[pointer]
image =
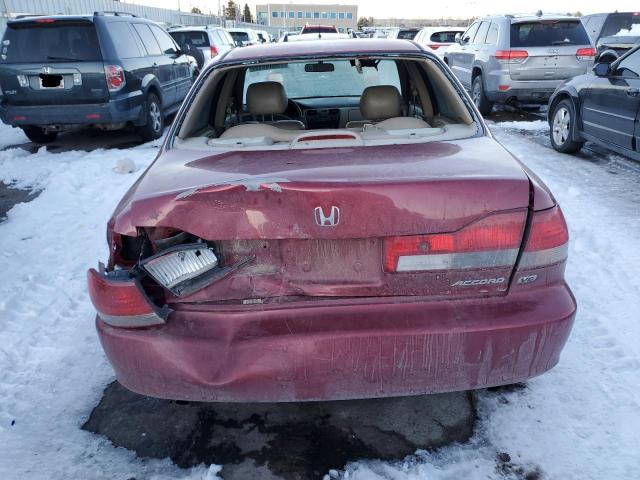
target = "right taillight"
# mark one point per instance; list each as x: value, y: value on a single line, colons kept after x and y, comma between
x: 511, y: 56
x: 548, y: 240
x: 214, y: 51
x: 115, y: 77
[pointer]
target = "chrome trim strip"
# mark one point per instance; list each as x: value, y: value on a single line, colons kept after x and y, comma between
x: 609, y: 113
x: 606, y: 128
x: 457, y: 261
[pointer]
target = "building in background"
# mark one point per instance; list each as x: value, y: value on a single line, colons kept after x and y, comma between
x: 292, y: 16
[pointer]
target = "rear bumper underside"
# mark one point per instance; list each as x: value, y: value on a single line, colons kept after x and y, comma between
x: 332, y: 350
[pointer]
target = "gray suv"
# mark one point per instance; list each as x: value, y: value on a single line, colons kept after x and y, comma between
x: 519, y: 59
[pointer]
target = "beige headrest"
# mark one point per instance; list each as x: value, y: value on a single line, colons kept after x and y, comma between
x: 266, y: 98
x: 380, y: 102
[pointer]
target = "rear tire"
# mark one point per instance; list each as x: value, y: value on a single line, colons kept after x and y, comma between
x: 562, y: 121
x: 479, y: 97
x: 38, y: 135
x: 154, y: 127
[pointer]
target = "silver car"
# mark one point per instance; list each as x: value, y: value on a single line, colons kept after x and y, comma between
x: 519, y: 59
x: 210, y: 40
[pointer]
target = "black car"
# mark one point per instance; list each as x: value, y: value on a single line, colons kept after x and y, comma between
x: 603, y: 107
x: 106, y: 70
x: 616, y: 32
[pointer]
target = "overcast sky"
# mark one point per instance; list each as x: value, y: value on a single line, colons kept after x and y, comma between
x: 427, y: 9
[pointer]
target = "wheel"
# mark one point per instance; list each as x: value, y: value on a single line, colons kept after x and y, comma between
x: 562, y: 120
x: 479, y: 98
x: 155, y: 119
x: 39, y: 135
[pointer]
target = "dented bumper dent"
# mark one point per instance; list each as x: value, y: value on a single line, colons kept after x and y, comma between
x: 343, y: 349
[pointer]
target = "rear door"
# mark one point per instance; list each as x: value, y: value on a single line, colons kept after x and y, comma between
x: 610, y: 105
x: 163, y: 65
x: 462, y: 56
x: 556, y: 50
x: 52, y: 62
x: 180, y: 63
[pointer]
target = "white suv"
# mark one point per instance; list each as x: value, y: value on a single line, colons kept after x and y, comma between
x: 210, y: 40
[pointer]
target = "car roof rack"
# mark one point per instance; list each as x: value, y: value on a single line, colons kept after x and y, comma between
x: 114, y: 13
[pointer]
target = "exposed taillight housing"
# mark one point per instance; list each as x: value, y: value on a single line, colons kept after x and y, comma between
x: 511, y: 56
x: 586, y: 53
x: 434, y: 46
x: 548, y: 240
x: 120, y: 300
x: 115, y: 77
x: 492, y: 242
x: 214, y: 51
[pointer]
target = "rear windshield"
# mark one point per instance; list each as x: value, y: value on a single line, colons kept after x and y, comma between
x: 407, y: 34
x: 240, y: 36
x: 343, y: 81
x: 196, y: 38
x: 319, y: 29
x: 444, y: 37
x: 548, y: 33
x: 35, y: 43
x: 621, y: 25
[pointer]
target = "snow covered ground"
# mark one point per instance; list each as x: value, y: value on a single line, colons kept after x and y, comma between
x: 579, y: 421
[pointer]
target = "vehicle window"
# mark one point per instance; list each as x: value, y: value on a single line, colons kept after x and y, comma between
x: 492, y: 34
x: 444, y: 37
x: 621, y: 24
x: 148, y: 40
x: 343, y: 81
x: 407, y: 34
x: 482, y: 33
x: 195, y: 38
x: 471, y: 32
x: 123, y: 41
x: 53, y: 42
x: 164, y: 40
x: 227, y: 38
x: 240, y: 37
x: 630, y: 66
x: 319, y: 29
x: 548, y: 33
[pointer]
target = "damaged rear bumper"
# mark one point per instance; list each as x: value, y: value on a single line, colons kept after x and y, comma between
x: 343, y: 349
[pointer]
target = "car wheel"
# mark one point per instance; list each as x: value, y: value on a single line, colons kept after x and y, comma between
x: 155, y: 119
x: 479, y: 98
x: 39, y: 135
x: 562, y: 120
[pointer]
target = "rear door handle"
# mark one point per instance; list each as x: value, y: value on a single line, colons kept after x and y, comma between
x: 633, y: 92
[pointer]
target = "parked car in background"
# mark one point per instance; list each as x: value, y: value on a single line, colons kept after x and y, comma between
x: 438, y: 38
x: 287, y: 35
x: 423, y: 257
x: 403, y: 33
x: 618, y: 31
x: 519, y: 59
x: 210, y: 40
x: 318, y: 32
x: 264, y: 36
x: 244, y: 37
x: 602, y: 106
x: 106, y: 70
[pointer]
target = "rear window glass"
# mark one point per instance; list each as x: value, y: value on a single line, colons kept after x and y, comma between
x: 444, y: 37
x: 240, y: 36
x: 197, y: 39
x: 123, y: 40
x: 621, y: 24
x: 319, y: 29
x: 50, y: 42
x: 407, y: 34
x: 343, y: 81
x: 548, y: 33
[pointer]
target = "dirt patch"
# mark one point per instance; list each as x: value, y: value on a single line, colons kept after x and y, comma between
x: 10, y: 196
x: 283, y: 440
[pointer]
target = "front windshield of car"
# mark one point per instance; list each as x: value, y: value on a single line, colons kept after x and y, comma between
x: 301, y: 81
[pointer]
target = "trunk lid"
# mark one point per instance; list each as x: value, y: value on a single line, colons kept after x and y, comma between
x: 316, y: 221
x: 54, y: 63
x: 552, y: 47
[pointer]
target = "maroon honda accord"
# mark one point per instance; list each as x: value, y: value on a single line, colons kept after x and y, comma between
x: 331, y: 220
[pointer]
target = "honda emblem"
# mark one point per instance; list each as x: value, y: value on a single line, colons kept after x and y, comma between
x: 331, y: 220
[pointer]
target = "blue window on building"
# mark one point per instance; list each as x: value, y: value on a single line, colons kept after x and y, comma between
x: 350, y: 16
x: 333, y: 15
x: 341, y: 15
x: 324, y: 14
x: 292, y: 14
x: 274, y: 14
x: 299, y: 14
x: 316, y: 14
x: 282, y: 15
x: 308, y: 15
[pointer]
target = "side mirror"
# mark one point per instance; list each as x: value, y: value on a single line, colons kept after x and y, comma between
x: 602, y: 69
x: 608, y: 56
x: 458, y: 38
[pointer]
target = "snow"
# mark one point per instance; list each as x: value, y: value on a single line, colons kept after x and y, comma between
x: 579, y: 421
